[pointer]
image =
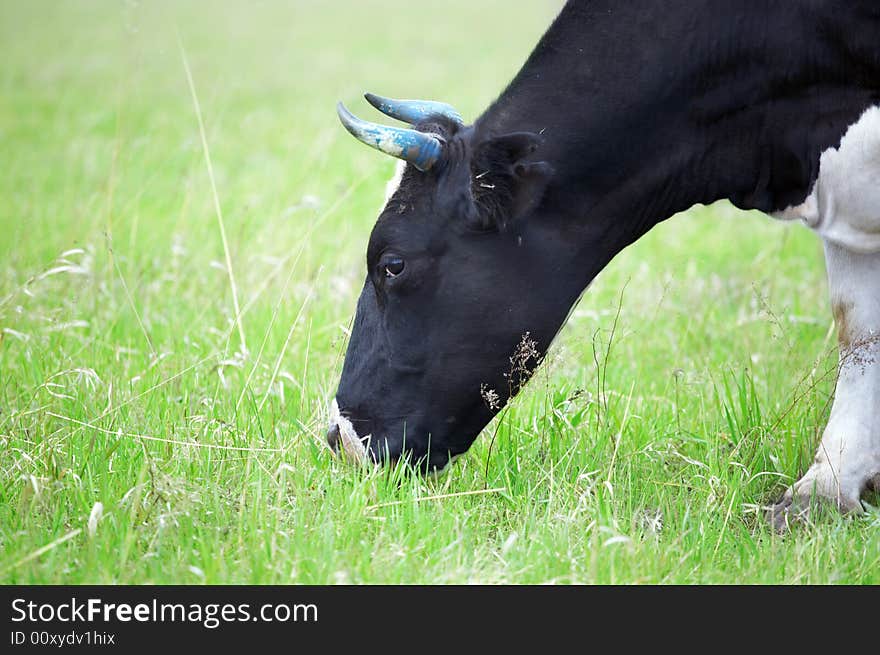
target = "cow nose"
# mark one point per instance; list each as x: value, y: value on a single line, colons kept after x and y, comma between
x: 333, y: 436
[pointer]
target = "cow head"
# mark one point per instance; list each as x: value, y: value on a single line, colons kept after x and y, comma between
x: 465, y: 288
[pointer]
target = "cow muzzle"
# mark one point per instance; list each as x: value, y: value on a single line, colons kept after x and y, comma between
x: 341, y: 433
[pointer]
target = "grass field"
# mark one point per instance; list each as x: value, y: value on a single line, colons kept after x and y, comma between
x: 688, y: 389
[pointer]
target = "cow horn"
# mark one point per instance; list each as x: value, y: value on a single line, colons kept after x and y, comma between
x: 420, y: 149
x: 413, y: 111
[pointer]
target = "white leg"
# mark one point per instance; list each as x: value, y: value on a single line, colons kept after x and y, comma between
x: 848, y: 460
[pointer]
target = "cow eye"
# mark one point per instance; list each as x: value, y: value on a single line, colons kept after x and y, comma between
x: 392, y: 266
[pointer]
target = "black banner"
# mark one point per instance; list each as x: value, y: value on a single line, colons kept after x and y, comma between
x: 86, y: 618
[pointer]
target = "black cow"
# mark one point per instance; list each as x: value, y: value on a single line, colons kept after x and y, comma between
x: 624, y: 114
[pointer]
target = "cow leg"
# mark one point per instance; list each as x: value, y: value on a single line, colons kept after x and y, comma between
x: 848, y: 460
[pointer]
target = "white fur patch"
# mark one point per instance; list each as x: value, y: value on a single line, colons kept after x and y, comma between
x: 844, y: 209
x: 394, y: 183
x: 352, y: 445
x: 844, y: 205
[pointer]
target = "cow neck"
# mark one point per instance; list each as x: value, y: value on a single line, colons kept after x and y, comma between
x: 646, y: 111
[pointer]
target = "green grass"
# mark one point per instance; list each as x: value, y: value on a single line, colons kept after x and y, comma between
x: 641, y: 453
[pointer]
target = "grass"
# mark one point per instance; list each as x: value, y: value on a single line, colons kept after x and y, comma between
x: 688, y: 389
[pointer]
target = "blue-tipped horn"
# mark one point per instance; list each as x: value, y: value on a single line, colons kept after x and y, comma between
x: 413, y: 111
x: 420, y: 149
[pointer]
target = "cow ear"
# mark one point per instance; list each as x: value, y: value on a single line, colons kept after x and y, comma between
x: 530, y: 183
x: 515, y: 146
x: 507, y: 186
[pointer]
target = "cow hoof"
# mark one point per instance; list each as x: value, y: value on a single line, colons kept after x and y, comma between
x: 789, y: 511
x: 798, y: 506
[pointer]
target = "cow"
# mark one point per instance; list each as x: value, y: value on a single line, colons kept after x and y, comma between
x: 624, y: 114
